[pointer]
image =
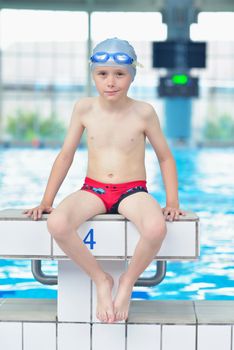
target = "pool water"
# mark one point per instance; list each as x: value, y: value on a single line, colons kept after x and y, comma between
x: 206, y: 187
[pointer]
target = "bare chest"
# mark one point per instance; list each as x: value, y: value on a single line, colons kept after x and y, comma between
x: 123, y: 135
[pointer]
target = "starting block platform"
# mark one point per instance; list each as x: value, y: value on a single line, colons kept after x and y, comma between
x: 70, y: 322
x: 108, y: 237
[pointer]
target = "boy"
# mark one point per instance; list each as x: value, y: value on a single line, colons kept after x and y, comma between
x: 116, y: 178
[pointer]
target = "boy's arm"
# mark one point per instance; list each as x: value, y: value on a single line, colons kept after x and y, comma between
x: 166, y: 160
x: 65, y: 157
x: 61, y: 165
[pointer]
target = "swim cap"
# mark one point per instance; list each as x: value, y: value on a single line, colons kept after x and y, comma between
x: 114, y: 45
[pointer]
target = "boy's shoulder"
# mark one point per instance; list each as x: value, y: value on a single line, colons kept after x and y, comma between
x: 144, y: 109
x: 84, y: 104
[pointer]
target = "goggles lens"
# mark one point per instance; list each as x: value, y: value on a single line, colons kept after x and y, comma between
x: 119, y: 57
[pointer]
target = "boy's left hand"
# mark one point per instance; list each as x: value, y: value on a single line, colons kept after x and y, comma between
x: 171, y: 213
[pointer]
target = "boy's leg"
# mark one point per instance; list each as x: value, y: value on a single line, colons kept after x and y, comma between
x: 62, y: 224
x: 145, y: 213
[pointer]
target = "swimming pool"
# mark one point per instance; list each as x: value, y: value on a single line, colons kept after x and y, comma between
x: 206, y: 187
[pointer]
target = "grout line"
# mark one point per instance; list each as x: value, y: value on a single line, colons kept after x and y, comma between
x: 161, y: 335
x: 56, y: 335
x: 22, y: 335
x: 98, y: 257
x: 231, y: 337
x: 91, y: 301
x: 196, y: 337
x: 196, y: 329
x: 195, y: 311
x: 91, y: 335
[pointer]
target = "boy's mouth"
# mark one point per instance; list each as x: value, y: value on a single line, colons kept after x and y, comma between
x: 111, y: 92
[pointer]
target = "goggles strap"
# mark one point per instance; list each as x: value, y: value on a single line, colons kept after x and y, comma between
x: 137, y: 64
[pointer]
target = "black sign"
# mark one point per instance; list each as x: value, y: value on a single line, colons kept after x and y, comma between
x: 179, y: 54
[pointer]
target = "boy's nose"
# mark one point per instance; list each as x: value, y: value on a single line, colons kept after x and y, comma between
x: 110, y: 81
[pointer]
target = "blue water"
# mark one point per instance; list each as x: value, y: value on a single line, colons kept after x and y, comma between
x: 206, y: 187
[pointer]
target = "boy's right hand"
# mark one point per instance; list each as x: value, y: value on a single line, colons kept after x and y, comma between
x: 36, y: 213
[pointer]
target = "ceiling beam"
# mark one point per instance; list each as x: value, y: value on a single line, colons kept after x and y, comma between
x: 115, y: 6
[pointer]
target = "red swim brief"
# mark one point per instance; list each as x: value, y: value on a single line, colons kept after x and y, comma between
x: 113, y: 194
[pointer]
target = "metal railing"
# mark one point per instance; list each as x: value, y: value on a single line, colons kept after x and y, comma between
x: 160, y: 273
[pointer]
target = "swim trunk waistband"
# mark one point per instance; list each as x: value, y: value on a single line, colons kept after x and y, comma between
x: 116, y: 185
x: 112, y: 194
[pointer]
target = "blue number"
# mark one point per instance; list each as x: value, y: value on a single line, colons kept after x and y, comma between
x: 91, y: 241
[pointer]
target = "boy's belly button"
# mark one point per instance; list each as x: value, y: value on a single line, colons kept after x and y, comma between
x: 110, y: 175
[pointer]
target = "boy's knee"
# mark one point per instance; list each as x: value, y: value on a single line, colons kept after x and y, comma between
x: 58, y: 225
x: 155, y: 229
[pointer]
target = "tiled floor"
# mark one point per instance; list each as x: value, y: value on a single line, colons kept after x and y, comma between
x: 214, y: 312
x: 166, y: 312
x: 154, y: 325
x: 141, y: 311
x: 28, y: 310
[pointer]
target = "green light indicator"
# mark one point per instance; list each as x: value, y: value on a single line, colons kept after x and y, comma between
x: 179, y: 79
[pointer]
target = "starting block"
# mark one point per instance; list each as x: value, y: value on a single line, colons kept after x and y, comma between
x: 111, y: 238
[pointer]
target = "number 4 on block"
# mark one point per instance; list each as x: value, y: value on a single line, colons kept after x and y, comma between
x: 89, y: 239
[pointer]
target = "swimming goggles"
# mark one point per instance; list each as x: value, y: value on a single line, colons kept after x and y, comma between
x: 118, y: 57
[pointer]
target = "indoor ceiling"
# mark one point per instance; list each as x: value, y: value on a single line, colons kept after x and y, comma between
x: 118, y: 5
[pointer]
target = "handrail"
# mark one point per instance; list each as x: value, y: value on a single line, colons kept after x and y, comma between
x: 40, y: 276
x: 156, y: 279
x: 160, y: 273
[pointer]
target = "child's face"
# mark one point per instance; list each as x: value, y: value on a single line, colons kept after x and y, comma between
x: 112, y: 82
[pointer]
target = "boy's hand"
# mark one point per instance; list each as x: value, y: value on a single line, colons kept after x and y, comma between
x: 171, y: 213
x: 36, y: 213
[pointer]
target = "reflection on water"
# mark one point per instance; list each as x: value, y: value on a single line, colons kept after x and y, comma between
x: 205, y: 187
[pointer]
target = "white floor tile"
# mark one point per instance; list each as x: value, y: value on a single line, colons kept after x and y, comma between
x: 179, y: 241
x: 141, y: 337
x: 178, y: 337
x: 214, y: 337
x: 10, y: 336
x: 73, y: 336
x: 38, y: 336
x: 74, y: 295
x: 108, y: 337
x: 25, y: 238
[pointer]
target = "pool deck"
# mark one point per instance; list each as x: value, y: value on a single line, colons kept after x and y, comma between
x: 213, y: 312
x: 152, y: 324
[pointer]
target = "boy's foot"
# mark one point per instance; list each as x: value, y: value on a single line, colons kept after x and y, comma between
x: 122, y: 299
x: 105, y: 310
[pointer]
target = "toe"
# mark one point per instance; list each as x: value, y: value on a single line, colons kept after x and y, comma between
x: 111, y: 317
x: 100, y: 316
x: 104, y: 317
x: 124, y: 316
x: 119, y: 316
